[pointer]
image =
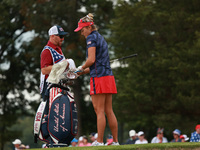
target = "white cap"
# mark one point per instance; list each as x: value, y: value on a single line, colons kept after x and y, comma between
x: 96, y: 136
x: 140, y: 133
x: 57, y: 30
x: 80, y: 138
x: 132, y: 133
x: 17, y: 141
x: 185, y: 137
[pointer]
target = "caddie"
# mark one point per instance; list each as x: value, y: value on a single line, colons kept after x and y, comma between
x: 51, y: 54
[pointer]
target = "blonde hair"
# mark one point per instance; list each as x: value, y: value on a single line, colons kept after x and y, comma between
x: 89, y: 18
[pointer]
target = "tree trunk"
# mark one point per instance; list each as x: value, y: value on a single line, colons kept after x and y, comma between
x: 78, y: 97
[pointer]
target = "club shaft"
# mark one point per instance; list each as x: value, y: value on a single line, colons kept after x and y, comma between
x: 133, y: 55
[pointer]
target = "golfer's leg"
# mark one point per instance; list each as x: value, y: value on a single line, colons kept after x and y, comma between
x: 98, y: 102
x: 112, y: 120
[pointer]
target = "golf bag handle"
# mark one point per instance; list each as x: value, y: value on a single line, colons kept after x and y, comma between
x: 59, y: 86
x: 46, y: 97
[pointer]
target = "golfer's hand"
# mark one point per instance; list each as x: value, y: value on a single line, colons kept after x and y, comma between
x: 79, y: 70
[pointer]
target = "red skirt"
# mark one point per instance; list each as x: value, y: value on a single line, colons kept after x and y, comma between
x: 100, y: 85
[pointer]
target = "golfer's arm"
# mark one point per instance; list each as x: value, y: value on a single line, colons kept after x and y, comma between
x: 91, y: 58
x: 46, y: 70
x: 86, y: 71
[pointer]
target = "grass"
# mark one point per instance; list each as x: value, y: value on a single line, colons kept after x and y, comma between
x: 162, y: 146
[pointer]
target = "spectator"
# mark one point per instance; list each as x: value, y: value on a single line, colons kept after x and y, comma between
x: 74, y: 143
x: 85, y: 142
x: 92, y: 137
x: 176, y: 134
x: 142, y: 139
x: 22, y: 146
x: 80, y: 140
x: 133, y: 137
x: 95, y: 137
x: 184, y: 138
x: 17, y: 144
x: 44, y: 146
x: 109, y: 140
x: 195, y: 136
x: 159, y: 138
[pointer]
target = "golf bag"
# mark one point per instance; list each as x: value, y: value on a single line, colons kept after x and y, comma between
x: 56, y: 121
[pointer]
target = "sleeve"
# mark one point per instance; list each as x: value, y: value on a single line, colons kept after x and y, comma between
x: 91, y: 41
x: 46, y: 59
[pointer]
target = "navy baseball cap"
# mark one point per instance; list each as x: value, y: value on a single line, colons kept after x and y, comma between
x: 57, y: 30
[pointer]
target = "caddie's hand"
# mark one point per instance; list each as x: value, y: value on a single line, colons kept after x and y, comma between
x: 79, y: 70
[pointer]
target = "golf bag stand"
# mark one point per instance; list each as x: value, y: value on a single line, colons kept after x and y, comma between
x: 59, y: 125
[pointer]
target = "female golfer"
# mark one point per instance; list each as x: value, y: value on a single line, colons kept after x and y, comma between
x: 102, y: 82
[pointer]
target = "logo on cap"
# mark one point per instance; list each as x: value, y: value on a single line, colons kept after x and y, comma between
x: 61, y: 29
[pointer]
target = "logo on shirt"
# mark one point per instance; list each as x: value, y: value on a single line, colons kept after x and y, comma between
x: 89, y: 42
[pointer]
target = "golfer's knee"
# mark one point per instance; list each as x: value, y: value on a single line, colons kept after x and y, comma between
x: 109, y: 112
x: 98, y: 111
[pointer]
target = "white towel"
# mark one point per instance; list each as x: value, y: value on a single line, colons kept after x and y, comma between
x: 60, y: 71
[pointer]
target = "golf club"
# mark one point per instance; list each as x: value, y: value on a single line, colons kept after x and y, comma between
x: 133, y: 55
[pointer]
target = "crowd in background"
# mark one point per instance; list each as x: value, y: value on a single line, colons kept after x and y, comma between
x: 18, y: 145
x: 135, y: 138
x: 84, y: 141
x: 139, y: 138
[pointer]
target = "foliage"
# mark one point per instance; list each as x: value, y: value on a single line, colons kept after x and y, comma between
x: 19, y: 57
x: 15, y: 74
x: 24, y: 126
x: 160, y: 88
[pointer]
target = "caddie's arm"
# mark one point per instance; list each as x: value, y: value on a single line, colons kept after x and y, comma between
x: 46, y: 70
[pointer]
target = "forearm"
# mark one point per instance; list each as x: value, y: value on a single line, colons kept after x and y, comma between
x: 88, y: 63
x: 86, y: 71
x: 91, y: 57
x: 46, y: 70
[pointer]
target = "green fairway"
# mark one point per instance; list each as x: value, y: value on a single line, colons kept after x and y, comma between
x: 166, y: 146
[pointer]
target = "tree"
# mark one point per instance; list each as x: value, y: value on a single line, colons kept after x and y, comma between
x: 19, y: 59
x: 160, y: 87
x: 15, y: 74
x: 53, y: 12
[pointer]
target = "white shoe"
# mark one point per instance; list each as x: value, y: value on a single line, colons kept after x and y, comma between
x: 97, y: 144
x: 115, y: 143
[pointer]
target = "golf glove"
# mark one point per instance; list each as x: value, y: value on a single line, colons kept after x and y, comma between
x: 79, y: 69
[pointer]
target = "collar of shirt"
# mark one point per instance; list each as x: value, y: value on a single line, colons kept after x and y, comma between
x: 57, y: 48
x: 93, y: 31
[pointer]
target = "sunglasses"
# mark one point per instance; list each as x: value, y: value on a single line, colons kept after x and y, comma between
x: 61, y: 36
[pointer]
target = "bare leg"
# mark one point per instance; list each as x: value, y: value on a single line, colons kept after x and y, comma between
x: 112, y: 120
x: 98, y: 102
